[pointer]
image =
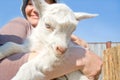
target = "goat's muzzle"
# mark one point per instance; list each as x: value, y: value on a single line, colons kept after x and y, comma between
x: 61, y: 50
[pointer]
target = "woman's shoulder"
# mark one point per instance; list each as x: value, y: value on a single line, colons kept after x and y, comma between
x: 18, y: 24
x: 15, y: 30
x: 19, y: 20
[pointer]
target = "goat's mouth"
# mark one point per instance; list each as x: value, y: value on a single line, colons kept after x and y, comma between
x: 61, y: 50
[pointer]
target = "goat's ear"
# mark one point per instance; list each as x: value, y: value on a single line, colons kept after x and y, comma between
x: 80, y: 16
x: 40, y: 5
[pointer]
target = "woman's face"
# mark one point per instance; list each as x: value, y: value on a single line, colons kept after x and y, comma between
x: 31, y: 14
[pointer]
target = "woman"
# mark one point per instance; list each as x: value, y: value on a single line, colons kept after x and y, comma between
x: 18, y: 29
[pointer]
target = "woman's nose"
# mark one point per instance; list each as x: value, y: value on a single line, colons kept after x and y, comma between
x: 35, y: 11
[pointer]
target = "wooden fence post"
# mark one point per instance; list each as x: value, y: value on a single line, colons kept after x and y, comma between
x: 108, y: 44
x: 111, y: 63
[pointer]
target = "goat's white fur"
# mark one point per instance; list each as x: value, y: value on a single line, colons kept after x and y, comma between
x: 56, y: 24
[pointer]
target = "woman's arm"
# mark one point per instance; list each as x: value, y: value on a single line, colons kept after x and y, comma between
x: 16, y: 31
x: 78, y: 59
x: 79, y: 41
x: 89, y: 59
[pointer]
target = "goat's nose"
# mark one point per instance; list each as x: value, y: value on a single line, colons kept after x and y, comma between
x: 61, y: 50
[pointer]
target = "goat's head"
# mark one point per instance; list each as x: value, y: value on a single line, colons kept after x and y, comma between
x: 57, y: 23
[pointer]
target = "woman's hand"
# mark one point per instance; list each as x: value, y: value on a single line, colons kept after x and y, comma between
x: 92, y: 62
x: 79, y: 41
x: 92, y: 65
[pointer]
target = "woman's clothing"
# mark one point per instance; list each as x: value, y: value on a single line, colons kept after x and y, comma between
x: 16, y: 31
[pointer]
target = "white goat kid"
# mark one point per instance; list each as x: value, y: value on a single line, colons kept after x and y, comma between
x: 51, y: 38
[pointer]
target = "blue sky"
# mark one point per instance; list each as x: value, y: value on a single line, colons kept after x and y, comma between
x: 105, y: 27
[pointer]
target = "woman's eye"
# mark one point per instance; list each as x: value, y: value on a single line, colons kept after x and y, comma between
x: 30, y: 3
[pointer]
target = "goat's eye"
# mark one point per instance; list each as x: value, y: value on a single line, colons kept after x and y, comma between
x: 48, y: 26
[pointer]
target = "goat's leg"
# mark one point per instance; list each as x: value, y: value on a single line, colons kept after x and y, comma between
x: 36, y: 68
x: 29, y: 71
x: 32, y: 70
x: 10, y: 48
